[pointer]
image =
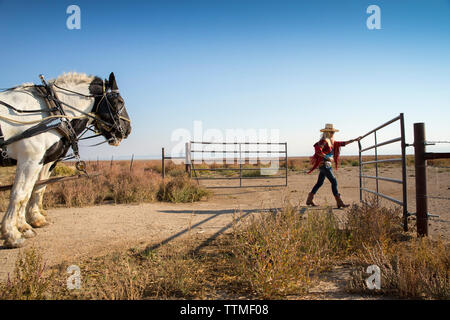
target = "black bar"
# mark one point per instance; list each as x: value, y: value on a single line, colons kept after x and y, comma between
x: 436, y: 155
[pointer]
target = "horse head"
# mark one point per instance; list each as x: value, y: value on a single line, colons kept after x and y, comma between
x: 109, y: 107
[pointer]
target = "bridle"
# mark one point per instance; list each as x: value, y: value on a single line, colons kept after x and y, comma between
x: 98, y: 123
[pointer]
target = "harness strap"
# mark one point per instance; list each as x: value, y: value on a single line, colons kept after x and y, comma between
x: 55, y: 109
x: 58, y: 120
x: 22, y: 111
x: 44, y: 126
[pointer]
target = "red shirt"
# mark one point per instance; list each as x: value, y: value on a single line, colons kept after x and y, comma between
x: 322, y: 148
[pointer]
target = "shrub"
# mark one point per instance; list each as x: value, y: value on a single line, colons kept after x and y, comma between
x: 29, y: 280
x: 369, y: 223
x: 416, y: 269
x: 64, y: 170
x: 181, y: 189
x: 277, y: 253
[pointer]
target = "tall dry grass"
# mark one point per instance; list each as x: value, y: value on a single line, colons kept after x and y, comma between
x: 278, y: 254
x: 30, y: 279
x: 270, y: 255
x: 118, y: 184
x: 418, y: 269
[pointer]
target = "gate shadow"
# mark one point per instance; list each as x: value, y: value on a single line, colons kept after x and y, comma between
x: 216, y: 213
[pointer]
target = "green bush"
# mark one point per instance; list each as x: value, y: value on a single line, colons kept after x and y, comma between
x: 64, y: 170
x: 181, y: 189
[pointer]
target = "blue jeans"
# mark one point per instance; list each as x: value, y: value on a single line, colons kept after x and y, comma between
x: 326, y: 173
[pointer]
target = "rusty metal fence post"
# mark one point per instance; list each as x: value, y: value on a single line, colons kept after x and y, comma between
x: 421, y: 179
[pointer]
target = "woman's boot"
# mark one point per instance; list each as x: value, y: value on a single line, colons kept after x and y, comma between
x: 340, y: 203
x: 309, y: 201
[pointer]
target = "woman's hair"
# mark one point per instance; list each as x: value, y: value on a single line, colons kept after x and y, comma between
x: 327, y: 135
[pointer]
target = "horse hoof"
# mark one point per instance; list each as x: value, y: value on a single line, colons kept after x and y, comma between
x: 39, y: 223
x: 30, y: 233
x: 13, y: 244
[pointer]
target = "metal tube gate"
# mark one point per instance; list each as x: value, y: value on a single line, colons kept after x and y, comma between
x: 241, y: 157
x: 402, y: 160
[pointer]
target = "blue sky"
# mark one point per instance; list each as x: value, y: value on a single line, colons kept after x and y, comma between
x: 243, y: 64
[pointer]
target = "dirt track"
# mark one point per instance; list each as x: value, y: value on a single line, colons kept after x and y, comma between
x: 79, y: 232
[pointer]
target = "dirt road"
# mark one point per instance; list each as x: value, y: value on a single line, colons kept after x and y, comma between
x: 75, y: 233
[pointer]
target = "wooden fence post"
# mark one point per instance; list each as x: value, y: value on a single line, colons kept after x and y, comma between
x: 131, y: 164
x: 163, y: 173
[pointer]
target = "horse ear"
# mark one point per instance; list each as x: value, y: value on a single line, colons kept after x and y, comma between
x: 112, y: 82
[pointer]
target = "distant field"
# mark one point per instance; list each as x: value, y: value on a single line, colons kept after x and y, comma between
x: 295, y: 164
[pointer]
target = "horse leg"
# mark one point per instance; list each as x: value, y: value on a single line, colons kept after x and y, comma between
x: 27, y: 173
x: 35, y: 214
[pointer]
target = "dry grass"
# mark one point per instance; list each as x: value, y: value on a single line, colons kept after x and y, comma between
x: 416, y: 269
x: 277, y: 254
x: 169, y: 273
x: 30, y: 281
x: 410, y: 267
x: 117, y: 184
x: 269, y: 256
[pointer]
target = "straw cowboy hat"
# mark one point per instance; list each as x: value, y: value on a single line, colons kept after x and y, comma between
x: 329, y: 128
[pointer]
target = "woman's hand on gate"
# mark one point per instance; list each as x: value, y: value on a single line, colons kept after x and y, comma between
x: 353, y: 140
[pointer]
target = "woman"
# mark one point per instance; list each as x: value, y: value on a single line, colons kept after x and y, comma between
x: 327, y: 150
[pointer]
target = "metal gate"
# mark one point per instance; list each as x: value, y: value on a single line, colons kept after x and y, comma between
x: 404, y: 201
x: 241, y: 153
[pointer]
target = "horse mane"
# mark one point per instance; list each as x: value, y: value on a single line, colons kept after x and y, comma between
x: 73, y: 78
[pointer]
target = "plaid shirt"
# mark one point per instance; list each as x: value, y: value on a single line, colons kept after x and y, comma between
x: 322, y: 148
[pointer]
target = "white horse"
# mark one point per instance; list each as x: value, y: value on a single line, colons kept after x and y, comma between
x: 86, y: 100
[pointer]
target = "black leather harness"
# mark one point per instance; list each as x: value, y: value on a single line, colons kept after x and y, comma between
x: 62, y: 125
